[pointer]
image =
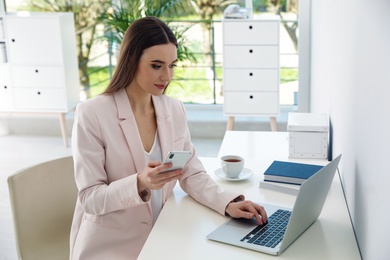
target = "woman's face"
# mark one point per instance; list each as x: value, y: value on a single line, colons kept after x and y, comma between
x: 155, y: 68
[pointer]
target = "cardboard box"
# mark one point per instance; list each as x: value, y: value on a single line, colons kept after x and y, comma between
x: 308, y: 135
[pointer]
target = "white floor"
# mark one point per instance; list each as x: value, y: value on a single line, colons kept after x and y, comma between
x: 17, y: 152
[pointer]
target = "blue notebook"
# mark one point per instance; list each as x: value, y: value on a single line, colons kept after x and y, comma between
x: 290, y: 172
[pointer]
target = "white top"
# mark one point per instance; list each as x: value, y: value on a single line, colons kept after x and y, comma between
x: 155, y: 155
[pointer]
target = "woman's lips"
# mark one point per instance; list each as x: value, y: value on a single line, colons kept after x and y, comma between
x: 160, y: 86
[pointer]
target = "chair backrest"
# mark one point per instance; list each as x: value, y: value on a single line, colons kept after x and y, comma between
x: 43, y: 198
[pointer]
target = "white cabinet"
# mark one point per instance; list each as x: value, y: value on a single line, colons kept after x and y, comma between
x: 40, y: 71
x: 251, y: 67
x: 42, y: 61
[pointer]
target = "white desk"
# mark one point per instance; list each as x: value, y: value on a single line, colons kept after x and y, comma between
x: 180, y: 231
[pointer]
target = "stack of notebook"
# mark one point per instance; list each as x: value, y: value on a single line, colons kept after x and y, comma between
x: 287, y: 176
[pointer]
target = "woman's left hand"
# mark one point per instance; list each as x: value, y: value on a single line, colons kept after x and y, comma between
x: 247, y: 209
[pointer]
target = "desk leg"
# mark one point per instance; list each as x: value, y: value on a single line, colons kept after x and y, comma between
x: 230, y: 123
x: 274, y: 126
x: 63, y: 129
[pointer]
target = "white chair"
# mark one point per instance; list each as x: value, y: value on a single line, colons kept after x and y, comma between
x: 43, y: 198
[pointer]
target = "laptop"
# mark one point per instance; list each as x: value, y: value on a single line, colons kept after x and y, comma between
x: 284, y: 225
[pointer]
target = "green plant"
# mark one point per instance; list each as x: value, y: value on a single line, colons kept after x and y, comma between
x: 288, y: 75
x: 118, y: 18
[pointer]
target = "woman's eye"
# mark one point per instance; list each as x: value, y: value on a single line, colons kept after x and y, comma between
x: 155, y: 66
x: 173, y: 66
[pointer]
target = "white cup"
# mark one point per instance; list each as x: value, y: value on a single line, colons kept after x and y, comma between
x: 232, y: 165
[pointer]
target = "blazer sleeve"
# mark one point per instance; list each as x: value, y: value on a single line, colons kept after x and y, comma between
x: 97, y: 195
x: 198, y: 184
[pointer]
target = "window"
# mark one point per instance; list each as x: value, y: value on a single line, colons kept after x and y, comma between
x: 201, y: 82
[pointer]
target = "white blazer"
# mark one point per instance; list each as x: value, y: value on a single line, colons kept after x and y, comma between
x: 111, y: 220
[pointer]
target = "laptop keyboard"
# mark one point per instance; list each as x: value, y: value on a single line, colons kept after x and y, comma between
x: 272, y: 233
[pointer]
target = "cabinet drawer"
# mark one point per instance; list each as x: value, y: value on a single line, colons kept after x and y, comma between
x: 6, y: 98
x: 5, y: 75
x: 251, y: 79
x: 38, y: 76
x: 251, y: 103
x: 6, y: 92
x: 34, y: 40
x: 39, y: 99
x: 251, y: 57
x: 251, y: 32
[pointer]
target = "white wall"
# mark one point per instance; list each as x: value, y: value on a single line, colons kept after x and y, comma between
x: 350, y: 81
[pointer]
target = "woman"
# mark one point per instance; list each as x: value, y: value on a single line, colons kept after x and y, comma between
x: 119, y: 140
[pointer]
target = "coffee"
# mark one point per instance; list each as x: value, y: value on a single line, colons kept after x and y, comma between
x: 232, y: 165
x: 232, y: 160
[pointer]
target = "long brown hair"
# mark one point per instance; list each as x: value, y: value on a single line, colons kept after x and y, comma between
x: 141, y: 34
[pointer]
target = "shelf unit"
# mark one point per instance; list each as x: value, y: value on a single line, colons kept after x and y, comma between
x: 40, y: 70
x: 251, y: 68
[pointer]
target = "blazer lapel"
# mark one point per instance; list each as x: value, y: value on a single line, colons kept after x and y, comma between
x: 130, y: 129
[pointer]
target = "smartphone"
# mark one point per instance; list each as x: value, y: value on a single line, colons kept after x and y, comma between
x: 178, y: 159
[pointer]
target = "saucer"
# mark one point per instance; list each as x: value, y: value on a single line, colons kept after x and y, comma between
x: 245, y: 174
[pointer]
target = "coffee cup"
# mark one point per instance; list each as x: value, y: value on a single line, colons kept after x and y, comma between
x: 232, y: 165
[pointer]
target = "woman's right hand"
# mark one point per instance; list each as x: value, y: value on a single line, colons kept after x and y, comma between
x: 152, y: 178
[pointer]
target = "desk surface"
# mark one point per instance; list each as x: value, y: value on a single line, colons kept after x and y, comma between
x: 181, y: 229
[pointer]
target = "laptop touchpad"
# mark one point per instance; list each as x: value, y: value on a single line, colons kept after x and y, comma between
x: 242, y: 223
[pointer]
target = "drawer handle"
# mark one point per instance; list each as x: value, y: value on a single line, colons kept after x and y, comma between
x: 13, y: 40
x: 5, y: 87
x: 251, y: 74
x: 251, y: 51
x: 250, y: 27
x: 39, y: 92
x: 251, y: 97
x: 36, y: 71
